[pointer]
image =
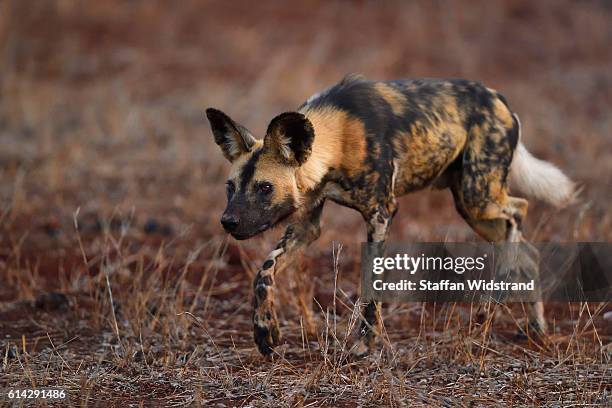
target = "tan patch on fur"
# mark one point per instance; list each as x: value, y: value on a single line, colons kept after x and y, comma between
x: 439, y: 145
x: 354, y: 148
x: 392, y: 96
x: 339, y: 143
x: 270, y: 169
x: 424, y: 153
x: 497, y: 191
x: 450, y: 109
x: 502, y: 112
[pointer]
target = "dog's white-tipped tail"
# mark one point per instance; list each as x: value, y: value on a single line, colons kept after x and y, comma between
x: 540, y: 179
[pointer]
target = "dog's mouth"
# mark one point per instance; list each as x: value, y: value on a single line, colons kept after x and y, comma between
x: 248, y: 235
x: 263, y: 227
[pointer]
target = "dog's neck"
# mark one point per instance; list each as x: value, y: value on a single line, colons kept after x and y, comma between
x: 326, y: 149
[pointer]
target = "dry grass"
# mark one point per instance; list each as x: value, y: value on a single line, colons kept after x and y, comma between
x: 109, y: 187
x: 145, y: 327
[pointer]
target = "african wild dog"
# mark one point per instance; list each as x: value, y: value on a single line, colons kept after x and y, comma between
x: 363, y: 143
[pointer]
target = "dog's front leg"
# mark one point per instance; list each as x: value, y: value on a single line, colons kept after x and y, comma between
x: 297, y: 236
x: 265, y: 323
x: 378, y: 223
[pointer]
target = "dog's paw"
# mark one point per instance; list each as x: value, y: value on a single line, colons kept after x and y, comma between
x: 533, y: 331
x: 266, y: 334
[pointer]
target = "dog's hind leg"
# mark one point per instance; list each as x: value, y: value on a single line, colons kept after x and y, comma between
x: 481, y: 196
x: 504, y: 226
x: 297, y: 236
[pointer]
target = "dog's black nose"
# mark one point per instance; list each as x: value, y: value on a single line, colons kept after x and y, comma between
x: 230, y: 222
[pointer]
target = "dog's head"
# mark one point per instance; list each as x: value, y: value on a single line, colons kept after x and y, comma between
x: 261, y: 188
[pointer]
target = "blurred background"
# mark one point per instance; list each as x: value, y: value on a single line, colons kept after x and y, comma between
x: 109, y: 178
x: 101, y: 105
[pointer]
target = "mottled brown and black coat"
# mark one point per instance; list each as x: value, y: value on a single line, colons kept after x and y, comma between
x: 362, y: 144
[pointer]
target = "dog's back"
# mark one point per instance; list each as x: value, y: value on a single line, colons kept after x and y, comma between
x: 414, y: 127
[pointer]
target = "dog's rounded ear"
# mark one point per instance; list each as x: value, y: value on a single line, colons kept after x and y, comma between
x: 233, y: 139
x: 290, y: 135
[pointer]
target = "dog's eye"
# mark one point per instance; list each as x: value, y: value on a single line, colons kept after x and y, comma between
x: 265, y: 188
x: 231, y: 188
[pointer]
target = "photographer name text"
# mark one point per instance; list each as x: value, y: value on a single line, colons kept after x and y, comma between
x: 405, y: 285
